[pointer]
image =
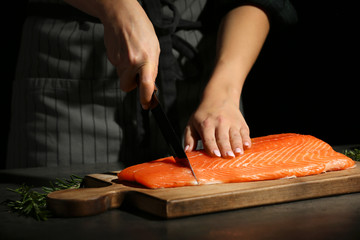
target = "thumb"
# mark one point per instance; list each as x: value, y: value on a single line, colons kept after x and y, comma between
x: 191, y: 138
x: 147, y: 76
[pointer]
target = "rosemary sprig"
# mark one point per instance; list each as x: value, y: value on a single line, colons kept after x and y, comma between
x: 354, y: 154
x: 61, y: 184
x: 33, y: 204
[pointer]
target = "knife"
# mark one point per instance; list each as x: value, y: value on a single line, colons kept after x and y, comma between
x: 168, y: 132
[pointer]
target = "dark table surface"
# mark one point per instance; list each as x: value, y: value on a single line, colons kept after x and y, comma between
x: 335, y: 217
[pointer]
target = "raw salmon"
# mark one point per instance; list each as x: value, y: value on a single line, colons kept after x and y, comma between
x: 270, y: 157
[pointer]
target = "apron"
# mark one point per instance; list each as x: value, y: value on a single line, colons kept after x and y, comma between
x: 67, y: 107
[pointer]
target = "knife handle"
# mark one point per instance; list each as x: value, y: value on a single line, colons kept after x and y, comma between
x: 154, y: 102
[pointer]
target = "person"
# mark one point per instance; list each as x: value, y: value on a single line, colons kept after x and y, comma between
x: 74, y: 98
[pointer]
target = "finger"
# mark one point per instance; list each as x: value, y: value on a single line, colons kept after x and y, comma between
x: 147, y: 76
x: 112, y: 52
x: 236, y: 141
x: 223, y: 141
x: 207, y: 133
x: 191, y: 138
x: 245, y: 135
x: 127, y: 79
x: 113, y: 56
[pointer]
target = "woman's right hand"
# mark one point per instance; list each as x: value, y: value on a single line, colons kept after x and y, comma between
x: 130, y: 40
x: 131, y: 46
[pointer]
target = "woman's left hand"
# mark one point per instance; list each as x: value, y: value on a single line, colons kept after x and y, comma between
x: 221, y: 127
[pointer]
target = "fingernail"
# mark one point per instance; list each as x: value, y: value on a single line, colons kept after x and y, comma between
x: 238, y: 150
x: 230, y: 153
x: 217, y: 153
x: 186, y: 147
x: 246, y: 144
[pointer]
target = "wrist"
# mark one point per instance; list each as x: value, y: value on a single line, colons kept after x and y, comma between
x: 219, y: 94
x: 108, y: 10
x: 226, y: 82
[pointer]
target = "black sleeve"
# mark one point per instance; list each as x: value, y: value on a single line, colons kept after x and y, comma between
x: 281, y: 13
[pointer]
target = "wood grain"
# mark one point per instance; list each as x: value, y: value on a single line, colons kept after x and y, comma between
x: 103, y: 192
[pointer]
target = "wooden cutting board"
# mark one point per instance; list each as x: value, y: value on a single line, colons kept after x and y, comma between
x: 103, y: 192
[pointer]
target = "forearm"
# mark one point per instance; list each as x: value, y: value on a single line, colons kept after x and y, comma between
x: 240, y: 39
x: 103, y: 9
x: 91, y: 7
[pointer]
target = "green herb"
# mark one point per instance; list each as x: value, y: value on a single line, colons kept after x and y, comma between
x: 354, y: 154
x: 33, y: 203
x: 61, y: 184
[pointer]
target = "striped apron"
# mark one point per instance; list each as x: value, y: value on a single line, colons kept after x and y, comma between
x: 67, y: 107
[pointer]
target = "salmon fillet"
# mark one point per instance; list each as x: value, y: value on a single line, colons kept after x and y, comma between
x: 270, y: 157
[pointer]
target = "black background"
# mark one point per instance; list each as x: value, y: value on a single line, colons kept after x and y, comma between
x: 306, y: 79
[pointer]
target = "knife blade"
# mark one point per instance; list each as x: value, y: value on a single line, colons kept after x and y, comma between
x: 169, y: 133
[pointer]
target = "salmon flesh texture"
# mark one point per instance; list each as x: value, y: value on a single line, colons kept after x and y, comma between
x: 270, y: 157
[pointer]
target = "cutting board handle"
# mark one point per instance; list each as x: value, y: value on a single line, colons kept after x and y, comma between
x: 85, y: 201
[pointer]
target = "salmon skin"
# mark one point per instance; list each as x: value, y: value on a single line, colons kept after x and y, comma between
x: 271, y: 157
